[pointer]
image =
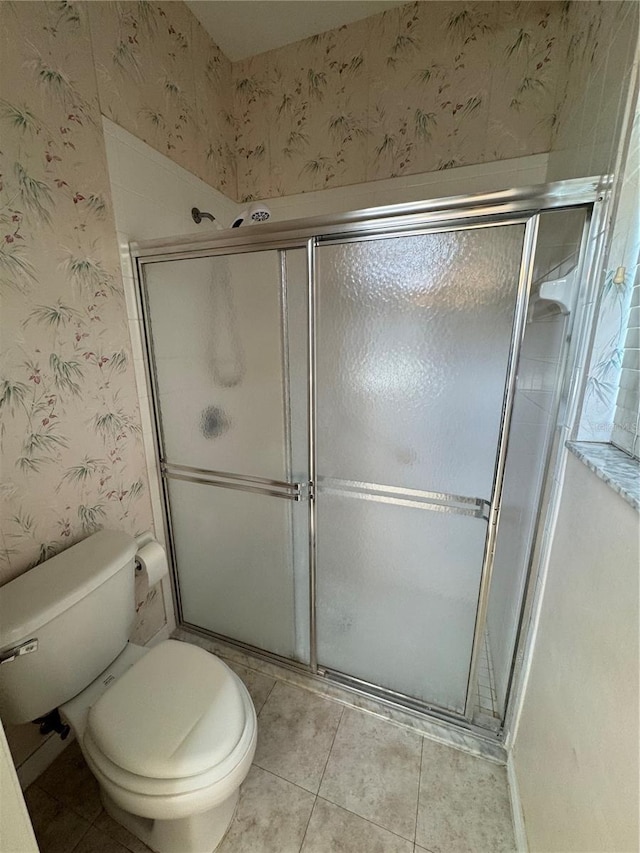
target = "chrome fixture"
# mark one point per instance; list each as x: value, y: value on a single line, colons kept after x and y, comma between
x: 254, y: 213
x: 198, y: 215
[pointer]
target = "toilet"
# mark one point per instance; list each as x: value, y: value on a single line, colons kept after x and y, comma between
x: 168, y: 732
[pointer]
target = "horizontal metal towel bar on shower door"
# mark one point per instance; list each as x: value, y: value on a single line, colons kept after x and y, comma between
x: 418, y: 498
x: 239, y: 482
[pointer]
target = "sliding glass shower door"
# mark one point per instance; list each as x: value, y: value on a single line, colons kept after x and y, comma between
x: 329, y: 474
x: 413, y: 342
x: 229, y: 341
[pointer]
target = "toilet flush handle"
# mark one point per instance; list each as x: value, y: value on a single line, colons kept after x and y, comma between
x: 17, y: 651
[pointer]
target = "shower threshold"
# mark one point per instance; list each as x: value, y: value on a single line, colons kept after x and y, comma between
x: 426, y: 720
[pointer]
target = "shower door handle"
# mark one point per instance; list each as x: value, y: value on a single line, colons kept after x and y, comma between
x: 238, y: 482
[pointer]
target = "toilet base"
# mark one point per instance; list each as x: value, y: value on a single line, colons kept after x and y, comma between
x: 198, y: 833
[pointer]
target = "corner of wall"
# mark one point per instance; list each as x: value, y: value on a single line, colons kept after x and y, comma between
x: 517, y: 813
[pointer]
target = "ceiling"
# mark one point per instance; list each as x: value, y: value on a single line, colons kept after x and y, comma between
x: 244, y: 28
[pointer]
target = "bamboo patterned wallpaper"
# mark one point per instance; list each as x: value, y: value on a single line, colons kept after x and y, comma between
x: 70, y: 438
x: 162, y: 78
x: 423, y: 87
x: 71, y: 448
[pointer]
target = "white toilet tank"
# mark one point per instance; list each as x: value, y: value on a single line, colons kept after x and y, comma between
x: 65, y: 621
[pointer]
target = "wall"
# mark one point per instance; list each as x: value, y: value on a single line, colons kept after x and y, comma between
x: 477, y: 82
x: 601, y: 40
x: 461, y: 180
x: 576, y: 728
x: 73, y: 458
x: 591, y: 111
x: 576, y: 753
x: 161, y: 77
x: 70, y: 419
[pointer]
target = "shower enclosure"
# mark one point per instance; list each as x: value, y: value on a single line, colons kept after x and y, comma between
x: 334, y: 402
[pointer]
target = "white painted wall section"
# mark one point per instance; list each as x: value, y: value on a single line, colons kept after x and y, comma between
x: 576, y: 750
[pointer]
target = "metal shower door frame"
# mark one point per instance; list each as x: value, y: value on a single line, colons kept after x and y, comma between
x: 522, y: 292
x: 510, y: 207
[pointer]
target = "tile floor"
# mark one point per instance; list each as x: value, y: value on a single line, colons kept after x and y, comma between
x: 326, y: 778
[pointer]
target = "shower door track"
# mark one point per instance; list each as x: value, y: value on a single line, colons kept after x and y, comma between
x: 360, y: 689
x: 443, y: 213
x: 499, y: 208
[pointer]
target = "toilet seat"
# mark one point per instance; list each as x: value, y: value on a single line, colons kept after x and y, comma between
x: 178, y: 721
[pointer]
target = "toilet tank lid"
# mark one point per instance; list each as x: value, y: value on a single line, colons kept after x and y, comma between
x: 36, y: 597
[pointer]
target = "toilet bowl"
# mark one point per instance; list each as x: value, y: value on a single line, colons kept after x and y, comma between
x: 168, y: 732
x: 169, y: 741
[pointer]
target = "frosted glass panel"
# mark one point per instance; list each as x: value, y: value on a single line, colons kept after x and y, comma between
x: 398, y: 591
x: 413, y: 342
x: 414, y: 335
x: 217, y: 333
x: 229, y: 338
x: 234, y: 554
x: 531, y: 434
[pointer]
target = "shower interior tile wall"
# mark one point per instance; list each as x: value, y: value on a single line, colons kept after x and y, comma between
x: 486, y: 699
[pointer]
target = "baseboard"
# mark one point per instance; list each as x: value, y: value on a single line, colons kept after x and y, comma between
x: 519, y: 830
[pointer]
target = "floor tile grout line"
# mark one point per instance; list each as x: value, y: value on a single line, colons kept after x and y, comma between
x: 82, y: 837
x: 275, y: 681
x: 106, y: 832
x: 306, y: 829
x: 365, y: 819
x: 335, y: 735
x: 426, y: 849
x: 284, y: 779
x: 65, y: 803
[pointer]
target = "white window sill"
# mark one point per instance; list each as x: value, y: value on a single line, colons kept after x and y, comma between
x: 613, y: 466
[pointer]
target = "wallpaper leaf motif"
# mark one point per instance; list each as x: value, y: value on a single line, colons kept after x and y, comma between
x: 181, y: 92
x: 421, y: 87
x: 69, y: 420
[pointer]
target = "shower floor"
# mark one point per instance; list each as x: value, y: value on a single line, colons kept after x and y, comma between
x: 326, y: 776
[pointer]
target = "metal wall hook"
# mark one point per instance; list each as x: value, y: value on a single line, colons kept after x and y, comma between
x: 199, y: 215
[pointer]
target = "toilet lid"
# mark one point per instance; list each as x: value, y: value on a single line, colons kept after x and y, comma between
x: 176, y: 712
